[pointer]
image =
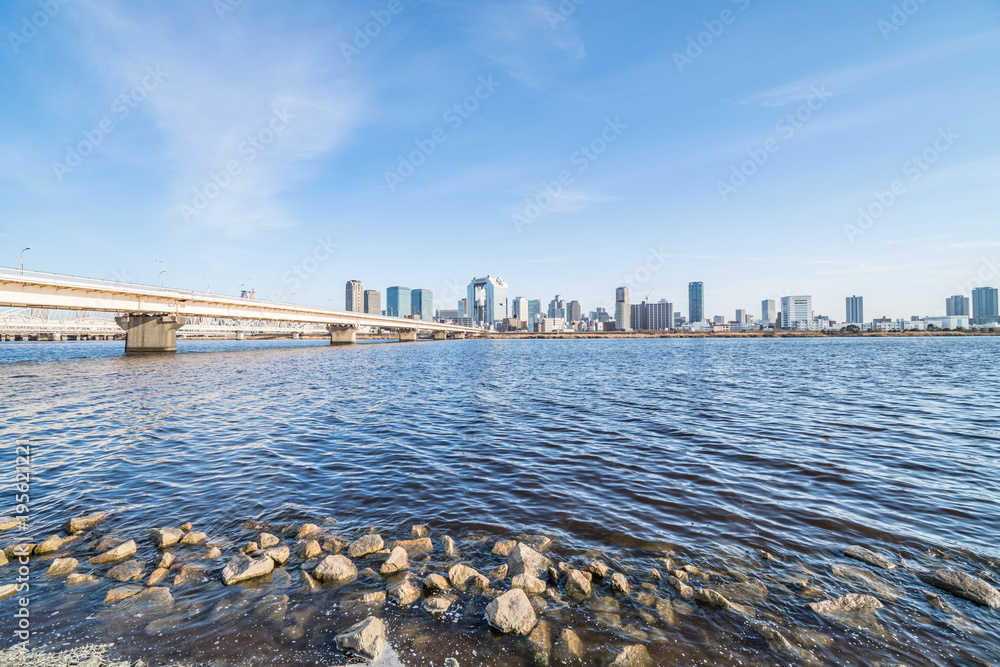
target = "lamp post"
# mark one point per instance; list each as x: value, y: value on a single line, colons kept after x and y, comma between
x: 22, y: 260
x: 163, y: 270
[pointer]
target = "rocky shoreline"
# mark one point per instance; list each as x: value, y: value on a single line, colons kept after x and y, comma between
x: 523, y: 583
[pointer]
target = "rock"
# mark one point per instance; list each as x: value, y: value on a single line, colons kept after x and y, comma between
x: 157, y: 577
x: 419, y: 530
x: 77, y: 579
x: 189, y: 573
x: 8, y: 522
x: 7, y: 591
x: 435, y: 582
x: 366, y: 638
x: 307, y: 530
x: 528, y: 584
x: 372, y: 597
x: 869, y: 556
x: 335, y: 545
x: 780, y: 645
x: 166, y: 560
x: 422, y: 545
x: 578, y: 585
x: 250, y: 547
x: 682, y: 589
x: 451, y: 662
x: 540, y: 641
x: 309, y: 549
x: 119, y: 553
x: 186, y: 526
x: 503, y: 548
x: 368, y: 544
x: 272, y: 608
x: 148, y: 601
x: 3, y: 559
x: 522, y: 559
x: 631, y: 656
x: 213, y: 553
x: 448, y: 544
x: 121, y: 592
x: 512, y: 613
x: 311, y: 585
x: 403, y: 591
x: 716, y: 600
x: 665, y: 610
x: 655, y: 575
x: 242, y: 567
x: 619, y: 584
x: 82, y: 523
x: 60, y: 567
x: 267, y: 540
x: 164, y: 537
x: 278, y: 554
x: 194, y: 538
x: 464, y: 577
x: 49, y: 544
x: 397, y: 562
x: 292, y: 633
x: 963, y: 585
x: 20, y: 550
x: 848, y: 603
x: 336, y: 570
x: 598, y: 569
x: 567, y: 648
x: 437, y: 605
x: 499, y: 573
x: 127, y: 571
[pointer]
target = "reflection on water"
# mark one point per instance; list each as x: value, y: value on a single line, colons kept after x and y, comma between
x: 704, y: 451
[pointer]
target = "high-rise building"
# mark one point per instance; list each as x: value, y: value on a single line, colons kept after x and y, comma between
x: 957, y: 305
x: 397, y: 302
x: 574, y: 311
x: 373, y: 302
x: 534, y: 309
x: 557, y: 308
x: 519, y: 308
x: 984, y: 306
x: 696, y: 302
x: 635, y: 319
x: 743, y: 317
x: 658, y: 316
x: 488, y: 301
x: 463, y: 307
x: 623, y: 312
x: 769, y: 312
x: 354, y: 301
x: 855, y: 310
x: 422, y: 304
x: 602, y: 315
x: 796, y: 312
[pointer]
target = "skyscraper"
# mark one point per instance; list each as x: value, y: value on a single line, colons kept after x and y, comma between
x: 574, y: 311
x: 635, y: 316
x: 984, y: 306
x: 768, y: 311
x: 796, y: 312
x: 557, y: 307
x: 696, y: 302
x: 463, y: 307
x: 534, y: 308
x: 623, y: 312
x: 658, y: 316
x: 354, y: 301
x: 397, y: 302
x: 488, y: 301
x: 373, y: 302
x: 422, y: 304
x: 855, y: 310
x: 957, y: 305
x: 519, y: 308
x: 742, y: 316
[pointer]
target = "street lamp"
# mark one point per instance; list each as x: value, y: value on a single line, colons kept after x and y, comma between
x: 163, y: 269
x: 22, y: 260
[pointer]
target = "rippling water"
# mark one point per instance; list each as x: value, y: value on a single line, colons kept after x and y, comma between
x: 627, y: 450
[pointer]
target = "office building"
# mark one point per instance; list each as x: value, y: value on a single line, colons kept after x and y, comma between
x: 958, y: 306
x: 422, y: 304
x: 855, y: 310
x: 354, y: 300
x: 602, y: 315
x: 557, y: 308
x: 519, y: 309
x: 574, y: 311
x: 623, y: 312
x: 463, y: 310
x: 487, y: 301
x: 373, y: 302
x: 796, y: 312
x: 658, y: 316
x: 635, y: 313
x: 768, y: 312
x: 696, y: 302
x: 534, y: 309
x: 743, y: 317
x: 447, y: 315
x: 397, y: 302
x: 984, y: 306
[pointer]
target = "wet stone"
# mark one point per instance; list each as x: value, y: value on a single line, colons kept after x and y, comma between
x: 82, y: 523
x: 421, y: 545
x: 309, y: 549
x: 598, y: 569
x: 512, y: 613
x: 157, y: 577
x: 528, y: 584
x: 335, y: 570
x: 77, y: 579
x: 504, y: 547
x: 438, y: 605
x: 278, y: 554
x: 307, y: 530
x: 578, y: 585
x: 435, y: 582
x: 619, y: 584
x: 368, y: 544
x: 366, y: 638
x: 522, y: 559
x: 464, y: 578
x: 121, y: 592
x: 849, y: 603
x: 868, y: 556
x: 397, y: 562
x: 189, y: 573
x: 194, y: 538
x: 267, y: 540
x: 568, y: 647
x: 127, y: 571
x: 403, y: 591
x: 964, y: 585
x: 61, y: 567
x: 164, y: 537
x: 119, y: 553
x: 631, y: 656
x: 449, y: 547
x: 49, y: 545
x: 419, y: 530
x: 243, y: 568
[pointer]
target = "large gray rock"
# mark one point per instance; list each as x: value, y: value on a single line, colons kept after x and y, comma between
x: 631, y: 656
x: 366, y: 638
x: 448, y: 545
x: 50, y: 544
x: 61, y: 567
x: 82, y: 523
x: 567, y: 648
x: 336, y: 570
x: 119, y: 553
x: 578, y: 584
x: 868, y: 556
x: 396, y: 562
x: 130, y: 570
x: 278, y: 554
x: 964, y: 586
x: 522, y: 559
x: 512, y: 613
x: 403, y: 591
x: 368, y: 544
x: 243, y: 567
x: 464, y: 578
x: 847, y: 604
x: 164, y: 537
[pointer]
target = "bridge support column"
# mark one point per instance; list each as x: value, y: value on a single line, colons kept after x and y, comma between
x: 342, y: 334
x: 296, y: 336
x: 240, y: 335
x: 150, y: 333
x: 458, y: 335
x: 440, y: 335
x: 407, y: 335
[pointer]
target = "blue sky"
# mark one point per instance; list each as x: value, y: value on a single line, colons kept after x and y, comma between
x: 593, y: 144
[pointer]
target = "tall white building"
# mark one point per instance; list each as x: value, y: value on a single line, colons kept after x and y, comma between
x: 487, y: 301
x: 354, y: 301
x: 768, y: 311
x: 623, y: 311
x: 796, y: 312
x: 519, y: 308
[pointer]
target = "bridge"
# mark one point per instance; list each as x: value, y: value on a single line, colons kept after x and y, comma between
x: 151, y: 316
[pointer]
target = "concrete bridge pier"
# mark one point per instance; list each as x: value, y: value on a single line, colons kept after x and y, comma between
x: 407, y: 335
x: 440, y: 335
x: 150, y: 333
x: 342, y: 334
x: 458, y: 335
x: 296, y: 336
x: 240, y: 335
